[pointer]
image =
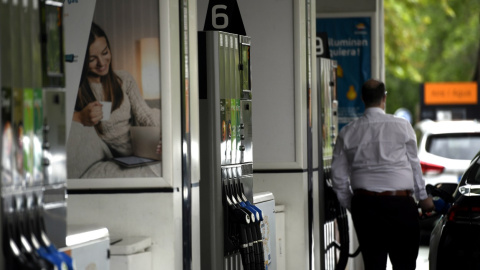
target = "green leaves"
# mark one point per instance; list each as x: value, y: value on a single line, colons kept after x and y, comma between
x: 428, y: 41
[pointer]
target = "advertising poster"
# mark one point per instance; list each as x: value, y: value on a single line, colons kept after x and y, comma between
x: 113, y: 90
x: 349, y: 40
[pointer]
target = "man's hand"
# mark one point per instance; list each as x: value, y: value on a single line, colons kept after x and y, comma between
x: 427, y: 205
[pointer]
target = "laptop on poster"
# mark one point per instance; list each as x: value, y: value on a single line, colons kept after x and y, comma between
x: 144, y: 144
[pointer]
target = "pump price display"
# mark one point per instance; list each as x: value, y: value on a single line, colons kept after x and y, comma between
x: 450, y: 93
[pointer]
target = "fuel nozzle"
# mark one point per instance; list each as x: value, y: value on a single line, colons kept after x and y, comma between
x: 246, y: 251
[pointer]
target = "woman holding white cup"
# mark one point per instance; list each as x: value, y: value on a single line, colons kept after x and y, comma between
x: 116, y: 89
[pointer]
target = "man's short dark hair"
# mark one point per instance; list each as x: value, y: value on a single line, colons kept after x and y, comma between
x: 373, y: 92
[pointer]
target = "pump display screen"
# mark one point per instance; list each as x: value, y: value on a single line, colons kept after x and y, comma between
x: 53, y: 15
x: 246, y: 68
x: 53, y: 63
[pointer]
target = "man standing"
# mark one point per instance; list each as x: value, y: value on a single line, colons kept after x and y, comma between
x: 375, y: 172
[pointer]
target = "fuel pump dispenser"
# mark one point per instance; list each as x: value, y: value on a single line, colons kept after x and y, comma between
x: 230, y: 223
x: 333, y: 217
x: 33, y: 185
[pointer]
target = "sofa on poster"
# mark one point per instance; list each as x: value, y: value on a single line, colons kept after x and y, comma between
x: 132, y: 47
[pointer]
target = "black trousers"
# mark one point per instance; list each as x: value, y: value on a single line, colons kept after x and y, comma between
x: 387, y: 226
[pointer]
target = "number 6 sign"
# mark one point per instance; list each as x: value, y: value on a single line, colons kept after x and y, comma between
x: 218, y: 15
x: 224, y: 15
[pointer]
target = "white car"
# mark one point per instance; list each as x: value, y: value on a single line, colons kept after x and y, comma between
x: 445, y: 149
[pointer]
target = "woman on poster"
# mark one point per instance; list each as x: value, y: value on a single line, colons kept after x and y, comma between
x: 101, y: 86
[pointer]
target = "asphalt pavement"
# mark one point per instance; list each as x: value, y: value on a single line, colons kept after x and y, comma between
x: 422, y: 259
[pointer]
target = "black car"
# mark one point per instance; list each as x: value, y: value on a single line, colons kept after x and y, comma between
x: 442, y: 194
x: 455, y: 239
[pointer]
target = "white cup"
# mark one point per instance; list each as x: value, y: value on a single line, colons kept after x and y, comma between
x: 106, y: 109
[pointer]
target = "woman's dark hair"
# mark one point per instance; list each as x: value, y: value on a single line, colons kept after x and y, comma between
x: 111, y: 83
x: 372, y: 92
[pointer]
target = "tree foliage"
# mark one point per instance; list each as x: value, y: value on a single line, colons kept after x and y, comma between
x: 428, y: 41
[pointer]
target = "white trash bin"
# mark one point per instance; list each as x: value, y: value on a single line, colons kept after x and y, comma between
x: 131, y: 253
x: 265, y: 201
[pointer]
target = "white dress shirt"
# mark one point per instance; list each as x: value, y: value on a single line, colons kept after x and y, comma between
x: 376, y: 152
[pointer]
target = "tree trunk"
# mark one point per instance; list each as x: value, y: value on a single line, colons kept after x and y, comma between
x: 476, y: 75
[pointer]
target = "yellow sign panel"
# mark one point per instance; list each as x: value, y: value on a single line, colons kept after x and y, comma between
x: 450, y: 93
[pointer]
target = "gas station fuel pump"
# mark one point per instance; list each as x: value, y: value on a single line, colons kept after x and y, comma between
x: 230, y: 222
x: 33, y: 185
x: 334, y: 219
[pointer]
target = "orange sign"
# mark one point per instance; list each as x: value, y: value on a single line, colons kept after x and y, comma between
x: 450, y: 93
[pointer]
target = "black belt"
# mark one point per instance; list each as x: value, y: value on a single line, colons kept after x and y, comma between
x: 402, y: 193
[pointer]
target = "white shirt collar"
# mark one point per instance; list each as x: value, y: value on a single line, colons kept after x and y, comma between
x: 373, y: 110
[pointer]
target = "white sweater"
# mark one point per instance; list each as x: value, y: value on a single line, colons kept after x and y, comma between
x: 133, y: 111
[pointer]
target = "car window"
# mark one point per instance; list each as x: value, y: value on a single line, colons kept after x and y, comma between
x: 472, y: 175
x: 454, y: 146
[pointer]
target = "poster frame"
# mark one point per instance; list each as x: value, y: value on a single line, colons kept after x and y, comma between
x: 170, y: 85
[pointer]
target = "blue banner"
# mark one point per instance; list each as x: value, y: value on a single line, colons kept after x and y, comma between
x: 349, y: 40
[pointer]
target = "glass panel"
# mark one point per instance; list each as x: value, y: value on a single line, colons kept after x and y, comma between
x: 115, y: 130
x: 454, y: 146
x: 476, y: 173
